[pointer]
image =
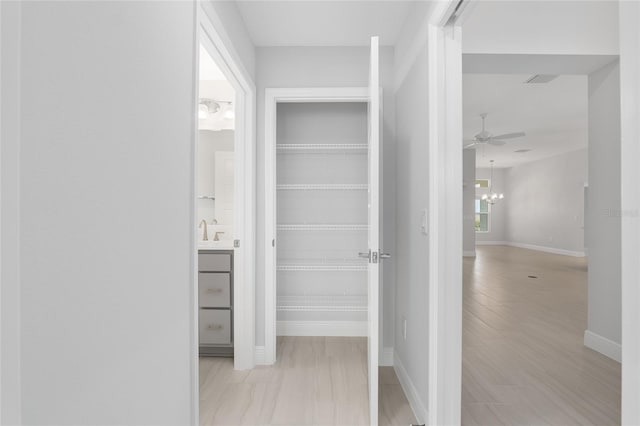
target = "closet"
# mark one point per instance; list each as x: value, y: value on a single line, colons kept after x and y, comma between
x: 321, y: 217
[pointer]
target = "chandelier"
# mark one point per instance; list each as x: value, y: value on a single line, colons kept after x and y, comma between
x: 491, y: 197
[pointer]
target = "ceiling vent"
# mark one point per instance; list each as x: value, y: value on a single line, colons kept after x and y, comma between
x: 522, y: 151
x: 541, y: 79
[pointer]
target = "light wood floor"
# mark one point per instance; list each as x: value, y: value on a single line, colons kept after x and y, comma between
x: 523, y: 358
x: 316, y: 380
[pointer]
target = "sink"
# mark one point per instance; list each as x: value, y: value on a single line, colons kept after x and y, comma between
x: 221, y: 245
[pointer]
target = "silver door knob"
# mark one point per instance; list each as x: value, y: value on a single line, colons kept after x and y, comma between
x: 364, y: 255
x: 385, y: 255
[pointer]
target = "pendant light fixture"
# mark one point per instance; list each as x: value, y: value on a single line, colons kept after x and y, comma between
x: 207, y: 107
x: 491, y: 197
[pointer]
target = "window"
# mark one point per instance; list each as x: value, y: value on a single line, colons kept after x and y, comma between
x: 482, y: 206
x: 482, y: 215
x: 482, y: 183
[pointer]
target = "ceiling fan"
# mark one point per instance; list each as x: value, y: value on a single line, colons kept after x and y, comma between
x: 485, y: 137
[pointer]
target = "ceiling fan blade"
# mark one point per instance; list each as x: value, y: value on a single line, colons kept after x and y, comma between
x: 471, y: 145
x: 497, y: 143
x: 510, y: 135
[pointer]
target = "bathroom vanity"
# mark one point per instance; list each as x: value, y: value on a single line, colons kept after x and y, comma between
x: 215, y: 302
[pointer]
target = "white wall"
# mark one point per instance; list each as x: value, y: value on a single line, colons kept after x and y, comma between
x: 498, y: 212
x: 328, y: 67
x: 545, y: 202
x: 105, y: 285
x: 411, y: 81
x: 411, y: 40
x: 468, y: 202
x: 412, y: 196
x: 604, y: 214
x: 542, y: 27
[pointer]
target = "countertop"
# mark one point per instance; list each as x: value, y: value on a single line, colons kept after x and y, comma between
x: 215, y: 245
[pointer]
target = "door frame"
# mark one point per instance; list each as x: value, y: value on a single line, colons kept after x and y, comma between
x: 445, y: 221
x: 218, y: 45
x: 274, y: 96
x: 445, y: 112
x: 629, y: 18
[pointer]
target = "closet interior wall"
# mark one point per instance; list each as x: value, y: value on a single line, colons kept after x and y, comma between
x: 321, y: 212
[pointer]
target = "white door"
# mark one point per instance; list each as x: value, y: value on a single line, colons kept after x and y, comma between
x: 374, y: 229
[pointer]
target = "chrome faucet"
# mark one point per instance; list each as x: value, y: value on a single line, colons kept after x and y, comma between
x: 217, y: 236
x: 205, y: 237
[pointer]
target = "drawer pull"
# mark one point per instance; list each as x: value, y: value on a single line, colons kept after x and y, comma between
x: 214, y: 290
x: 215, y: 327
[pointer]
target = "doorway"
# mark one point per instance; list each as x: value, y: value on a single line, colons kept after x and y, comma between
x: 286, y: 154
x: 215, y: 195
x: 224, y: 207
x: 447, y: 54
x: 362, y: 214
x: 318, y: 154
x: 225, y: 101
x: 321, y: 219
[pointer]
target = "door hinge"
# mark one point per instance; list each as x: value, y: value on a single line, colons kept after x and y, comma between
x: 236, y: 243
x: 273, y: 243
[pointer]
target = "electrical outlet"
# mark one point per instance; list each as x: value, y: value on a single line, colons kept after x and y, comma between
x: 404, y: 328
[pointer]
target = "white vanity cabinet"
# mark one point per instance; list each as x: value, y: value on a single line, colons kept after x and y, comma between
x: 215, y: 302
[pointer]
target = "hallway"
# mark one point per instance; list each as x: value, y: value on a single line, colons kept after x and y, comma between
x: 523, y: 358
x: 316, y: 381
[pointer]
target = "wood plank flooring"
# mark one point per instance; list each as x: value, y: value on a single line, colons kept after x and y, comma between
x: 523, y: 357
x: 316, y: 381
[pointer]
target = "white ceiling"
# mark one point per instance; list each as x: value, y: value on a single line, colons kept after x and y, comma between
x: 554, y: 115
x: 324, y: 23
x: 208, y: 68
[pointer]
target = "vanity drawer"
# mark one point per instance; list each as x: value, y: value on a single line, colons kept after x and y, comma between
x: 214, y: 262
x: 214, y: 290
x: 215, y: 326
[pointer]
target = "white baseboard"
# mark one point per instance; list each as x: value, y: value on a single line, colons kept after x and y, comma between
x: 410, y: 391
x: 321, y: 328
x: 259, y: 355
x: 492, y: 243
x: 532, y: 247
x: 469, y: 253
x: 386, y: 360
x: 603, y: 345
x: 547, y: 249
